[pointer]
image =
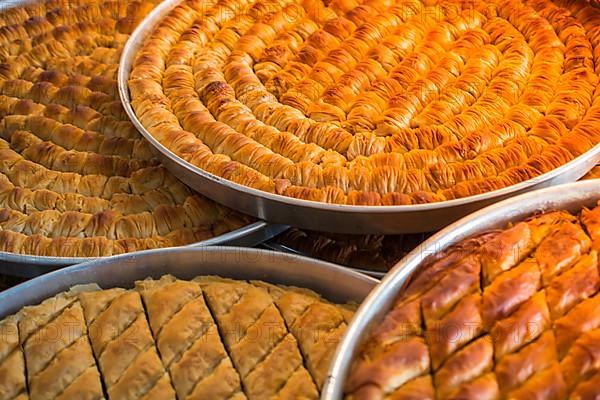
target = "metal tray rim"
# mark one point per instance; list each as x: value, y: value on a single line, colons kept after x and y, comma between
x: 21, y: 295
x: 270, y: 230
x: 272, y: 245
x: 221, y: 240
x: 154, y: 18
x: 499, y: 214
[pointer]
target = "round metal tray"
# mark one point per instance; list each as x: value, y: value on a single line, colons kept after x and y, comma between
x: 322, y: 216
x: 571, y: 197
x: 334, y: 283
x: 29, y: 266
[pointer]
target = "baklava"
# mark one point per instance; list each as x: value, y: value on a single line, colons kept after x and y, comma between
x: 76, y: 178
x: 372, y: 102
x: 209, y: 338
x: 508, y: 314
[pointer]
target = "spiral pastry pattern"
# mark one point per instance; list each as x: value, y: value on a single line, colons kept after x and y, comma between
x: 373, y: 102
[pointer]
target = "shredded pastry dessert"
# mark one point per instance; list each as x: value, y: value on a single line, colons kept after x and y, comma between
x: 510, y: 314
x: 76, y: 178
x: 209, y: 338
x: 366, y: 102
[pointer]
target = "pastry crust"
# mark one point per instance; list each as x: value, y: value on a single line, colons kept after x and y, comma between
x: 76, y: 178
x: 55, y: 341
x: 373, y: 103
x: 188, y: 339
x: 513, y: 313
x: 12, y: 366
x: 124, y: 346
x: 265, y: 352
x: 167, y: 338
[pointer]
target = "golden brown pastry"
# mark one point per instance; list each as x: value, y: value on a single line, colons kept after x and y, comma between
x: 188, y: 339
x: 56, y: 344
x: 124, y: 346
x: 12, y: 366
x: 76, y: 178
x: 510, y: 314
x: 266, y: 353
x: 373, y: 103
x: 208, y: 338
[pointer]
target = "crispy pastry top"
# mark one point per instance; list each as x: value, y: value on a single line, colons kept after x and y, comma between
x: 208, y: 338
x: 76, y: 178
x: 373, y: 102
x: 512, y: 314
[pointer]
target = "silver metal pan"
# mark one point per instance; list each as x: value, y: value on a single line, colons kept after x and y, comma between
x: 334, y: 283
x: 29, y: 266
x: 321, y: 216
x: 274, y: 245
x: 572, y: 197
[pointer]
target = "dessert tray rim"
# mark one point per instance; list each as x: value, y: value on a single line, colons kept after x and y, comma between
x: 334, y: 218
x: 28, y: 265
x: 186, y: 263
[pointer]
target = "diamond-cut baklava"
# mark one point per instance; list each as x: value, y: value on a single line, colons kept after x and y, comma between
x: 509, y: 314
x: 76, y: 178
x: 373, y: 102
x: 209, y: 338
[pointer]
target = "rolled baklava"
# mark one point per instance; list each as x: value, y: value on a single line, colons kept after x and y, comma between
x: 373, y: 102
x: 76, y: 178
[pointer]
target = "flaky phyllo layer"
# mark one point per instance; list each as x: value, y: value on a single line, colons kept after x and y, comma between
x: 76, y: 178
x: 373, y: 102
x: 512, y: 314
x: 209, y: 338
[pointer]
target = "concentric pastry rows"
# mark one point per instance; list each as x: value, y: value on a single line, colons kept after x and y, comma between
x: 511, y: 314
x: 373, y: 102
x: 210, y: 338
x: 76, y: 178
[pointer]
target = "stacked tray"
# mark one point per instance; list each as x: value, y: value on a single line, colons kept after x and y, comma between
x: 373, y: 255
x: 233, y: 332
x: 537, y: 305
x: 309, y: 123
x: 77, y: 181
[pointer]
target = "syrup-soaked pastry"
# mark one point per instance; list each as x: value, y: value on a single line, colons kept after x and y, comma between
x: 167, y: 338
x: 59, y: 360
x: 188, y: 339
x: 373, y: 103
x: 257, y: 337
x: 12, y: 366
x: 76, y: 178
x: 124, y: 346
x: 509, y: 314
